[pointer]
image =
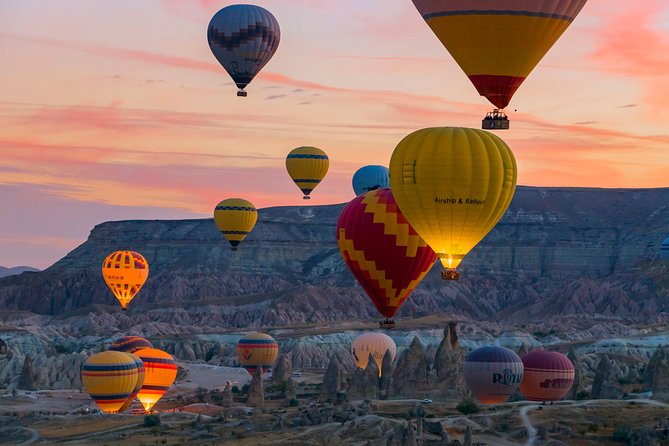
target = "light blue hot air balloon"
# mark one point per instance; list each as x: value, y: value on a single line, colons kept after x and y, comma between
x: 370, y: 178
x: 664, y: 250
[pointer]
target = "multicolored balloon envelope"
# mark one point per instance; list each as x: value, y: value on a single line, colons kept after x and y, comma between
x: 375, y: 343
x: 125, y: 272
x: 161, y: 371
x: 493, y: 373
x: 140, y: 381
x: 453, y: 185
x: 382, y: 250
x: 130, y: 344
x: 497, y: 43
x: 370, y: 178
x: 548, y: 376
x: 257, y: 350
x: 110, y: 378
x: 243, y: 39
x: 307, y: 166
x: 235, y: 218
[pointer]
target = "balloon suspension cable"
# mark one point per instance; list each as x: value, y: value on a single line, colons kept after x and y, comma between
x: 242, y: 93
x: 306, y: 197
x: 450, y: 274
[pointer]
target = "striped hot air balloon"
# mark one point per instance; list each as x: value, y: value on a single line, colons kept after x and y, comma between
x: 548, y: 376
x: 161, y: 371
x: 307, y: 166
x: 382, y: 250
x: 125, y: 273
x: 375, y: 343
x: 493, y: 373
x: 110, y: 378
x: 130, y: 344
x: 497, y: 43
x: 235, y: 218
x: 257, y: 350
x: 141, y: 375
x: 370, y: 178
x: 243, y: 39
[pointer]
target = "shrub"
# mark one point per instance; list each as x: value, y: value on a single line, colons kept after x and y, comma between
x: 582, y: 395
x: 151, y: 420
x: 622, y: 433
x: 467, y: 407
x: 293, y: 402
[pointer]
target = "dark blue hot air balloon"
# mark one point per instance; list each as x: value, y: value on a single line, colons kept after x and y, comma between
x: 493, y: 373
x: 370, y: 178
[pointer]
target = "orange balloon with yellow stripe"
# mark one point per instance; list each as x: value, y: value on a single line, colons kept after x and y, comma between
x: 125, y: 272
x: 161, y: 371
x: 382, y: 250
x: 110, y: 378
x: 497, y: 43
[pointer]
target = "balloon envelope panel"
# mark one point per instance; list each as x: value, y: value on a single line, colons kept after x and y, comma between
x: 493, y: 374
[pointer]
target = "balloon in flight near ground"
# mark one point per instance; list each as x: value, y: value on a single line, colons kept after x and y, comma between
x: 161, y: 371
x: 110, y: 378
x: 307, y: 166
x: 493, y: 373
x: 497, y: 43
x: 375, y: 343
x: 548, y: 376
x: 243, y: 39
x: 452, y: 185
x: 382, y: 250
x: 257, y: 350
x: 235, y: 218
x: 370, y: 178
x: 125, y: 272
x: 130, y: 344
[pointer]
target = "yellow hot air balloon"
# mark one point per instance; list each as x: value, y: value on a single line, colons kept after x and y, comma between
x: 125, y: 272
x: 375, y: 343
x: 257, y: 350
x: 140, y: 381
x: 307, y: 166
x: 452, y: 185
x: 160, y: 373
x: 235, y: 217
x: 110, y: 378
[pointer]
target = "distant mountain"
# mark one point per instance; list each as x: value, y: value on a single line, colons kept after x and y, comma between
x: 5, y: 272
x: 557, y: 252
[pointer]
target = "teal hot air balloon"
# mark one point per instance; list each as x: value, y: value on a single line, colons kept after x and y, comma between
x: 370, y: 178
x: 243, y: 39
x: 664, y: 250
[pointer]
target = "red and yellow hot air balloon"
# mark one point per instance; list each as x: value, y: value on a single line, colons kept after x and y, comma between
x: 307, y: 166
x: 110, y: 378
x: 125, y: 273
x: 161, y: 371
x: 257, y: 350
x: 497, y: 43
x: 130, y: 344
x: 548, y: 376
x: 382, y: 250
x: 453, y: 185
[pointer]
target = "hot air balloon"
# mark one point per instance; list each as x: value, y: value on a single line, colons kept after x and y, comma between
x: 375, y: 343
x: 140, y: 381
x: 370, y: 178
x: 307, y: 166
x: 257, y: 350
x: 235, y: 217
x: 498, y: 43
x: 453, y: 185
x: 125, y: 272
x: 548, y: 376
x: 493, y: 373
x: 110, y: 378
x: 130, y: 344
x: 664, y: 249
x: 161, y: 371
x: 243, y: 39
x: 382, y: 250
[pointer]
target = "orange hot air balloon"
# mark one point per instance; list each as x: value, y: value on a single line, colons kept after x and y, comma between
x: 161, y: 371
x: 125, y: 273
x: 382, y: 250
x: 548, y: 376
x: 110, y: 378
x: 257, y: 350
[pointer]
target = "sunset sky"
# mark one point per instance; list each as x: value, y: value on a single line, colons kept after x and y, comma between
x: 116, y: 109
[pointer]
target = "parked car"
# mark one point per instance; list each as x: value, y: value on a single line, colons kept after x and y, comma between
x: 426, y: 401
x: 297, y: 374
